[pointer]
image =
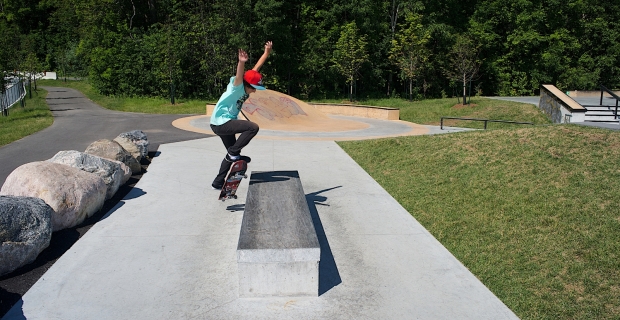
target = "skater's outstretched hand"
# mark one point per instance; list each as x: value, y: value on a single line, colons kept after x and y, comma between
x: 243, y: 56
x: 263, y: 58
x: 268, y: 46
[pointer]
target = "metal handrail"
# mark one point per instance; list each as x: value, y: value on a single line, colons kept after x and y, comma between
x: 14, y: 93
x: 603, y: 88
x: 485, y: 121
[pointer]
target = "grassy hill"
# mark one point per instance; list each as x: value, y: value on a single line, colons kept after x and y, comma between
x: 533, y: 212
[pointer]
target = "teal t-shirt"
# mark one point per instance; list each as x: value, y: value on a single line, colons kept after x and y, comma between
x: 231, y: 101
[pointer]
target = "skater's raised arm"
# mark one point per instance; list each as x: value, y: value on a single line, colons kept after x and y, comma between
x: 264, y: 57
x: 243, y: 57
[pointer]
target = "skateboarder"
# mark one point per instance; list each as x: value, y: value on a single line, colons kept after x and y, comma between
x: 224, y: 121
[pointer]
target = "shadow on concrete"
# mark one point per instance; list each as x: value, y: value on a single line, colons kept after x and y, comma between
x: 64, y: 98
x: 272, y: 176
x: 17, y: 301
x: 236, y: 207
x: 329, y: 276
x: 134, y: 193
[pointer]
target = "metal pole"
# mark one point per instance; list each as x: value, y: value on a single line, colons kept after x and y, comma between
x: 441, y: 123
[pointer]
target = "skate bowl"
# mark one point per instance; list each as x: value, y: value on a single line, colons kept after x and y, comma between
x: 273, y: 110
x: 281, y: 116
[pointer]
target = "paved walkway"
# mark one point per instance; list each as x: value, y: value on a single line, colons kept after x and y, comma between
x: 167, y: 250
x: 78, y: 122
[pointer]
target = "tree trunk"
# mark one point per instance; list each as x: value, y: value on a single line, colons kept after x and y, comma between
x: 464, y: 90
x: 351, y: 92
x: 410, y: 89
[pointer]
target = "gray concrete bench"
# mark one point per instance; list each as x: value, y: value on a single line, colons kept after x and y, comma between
x: 278, y: 252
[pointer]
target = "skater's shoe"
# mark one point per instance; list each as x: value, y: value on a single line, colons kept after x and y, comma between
x: 230, y: 158
x: 216, y: 187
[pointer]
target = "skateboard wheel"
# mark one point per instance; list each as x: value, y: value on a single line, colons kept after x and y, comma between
x: 235, y: 197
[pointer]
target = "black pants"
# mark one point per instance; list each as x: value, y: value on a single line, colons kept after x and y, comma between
x: 227, y: 132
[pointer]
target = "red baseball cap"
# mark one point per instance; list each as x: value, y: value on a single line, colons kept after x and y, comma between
x: 254, y: 78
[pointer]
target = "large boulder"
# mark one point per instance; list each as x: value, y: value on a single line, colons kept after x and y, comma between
x: 109, y: 171
x: 25, y: 230
x: 72, y: 193
x: 112, y: 150
x: 135, y: 142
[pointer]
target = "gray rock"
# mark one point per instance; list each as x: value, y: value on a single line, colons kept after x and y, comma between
x: 126, y: 171
x: 25, y: 231
x: 135, y: 142
x: 109, y: 171
x: 112, y: 150
x: 72, y: 193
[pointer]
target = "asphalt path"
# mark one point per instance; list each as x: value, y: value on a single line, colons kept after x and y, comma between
x: 78, y: 122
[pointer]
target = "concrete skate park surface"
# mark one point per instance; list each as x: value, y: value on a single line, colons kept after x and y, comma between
x: 167, y: 250
x: 282, y: 116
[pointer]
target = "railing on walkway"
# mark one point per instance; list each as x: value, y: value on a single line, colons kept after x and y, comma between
x: 15, y: 92
x: 484, y: 120
x: 615, y: 96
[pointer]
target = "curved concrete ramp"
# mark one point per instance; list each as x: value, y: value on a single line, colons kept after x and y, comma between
x: 280, y: 116
x: 273, y: 110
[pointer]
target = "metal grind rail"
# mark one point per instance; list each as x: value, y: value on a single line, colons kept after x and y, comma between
x: 484, y: 120
x: 604, y: 89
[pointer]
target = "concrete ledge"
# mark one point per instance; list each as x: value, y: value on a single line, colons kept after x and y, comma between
x: 278, y: 251
x: 560, y: 107
x: 278, y: 255
x: 358, y: 111
x: 210, y: 108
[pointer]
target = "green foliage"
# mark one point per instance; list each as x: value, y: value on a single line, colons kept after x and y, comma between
x: 350, y: 53
x: 408, y: 51
x: 142, y: 48
x: 464, y: 62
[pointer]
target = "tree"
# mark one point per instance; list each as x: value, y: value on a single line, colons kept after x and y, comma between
x: 408, y: 51
x: 464, y: 62
x: 350, y: 54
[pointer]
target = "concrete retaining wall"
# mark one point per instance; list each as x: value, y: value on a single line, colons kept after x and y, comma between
x: 358, y: 111
x: 560, y: 107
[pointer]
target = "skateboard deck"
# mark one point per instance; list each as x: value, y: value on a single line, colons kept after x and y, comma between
x: 236, y: 173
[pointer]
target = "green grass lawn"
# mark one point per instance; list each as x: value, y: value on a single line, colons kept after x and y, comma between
x: 533, y: 212
x: 22, y: 122
x: 131, y: 104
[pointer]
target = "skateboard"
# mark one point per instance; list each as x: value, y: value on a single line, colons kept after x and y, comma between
x: 236, y: 173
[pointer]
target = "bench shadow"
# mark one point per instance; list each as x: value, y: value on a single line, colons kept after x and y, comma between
x: 272, y: 176
x: 329, y: 276
x: 236, y: 207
